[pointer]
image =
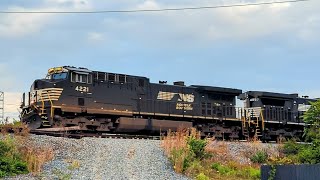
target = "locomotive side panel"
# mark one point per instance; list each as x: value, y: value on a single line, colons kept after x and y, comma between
x: 169, y: 100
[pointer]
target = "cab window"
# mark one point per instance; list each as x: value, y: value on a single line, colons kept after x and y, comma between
x: 58, y: 76
x: 81, y: 78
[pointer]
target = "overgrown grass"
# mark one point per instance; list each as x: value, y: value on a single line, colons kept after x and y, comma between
x: 36, y: 157
x: 260, y: 157
x: 191, y: 156
x: 294, y: 153
x: 11, y: 160
x: 17, y: 154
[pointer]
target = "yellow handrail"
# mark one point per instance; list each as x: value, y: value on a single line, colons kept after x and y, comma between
x: 243, y: 121
x: 52, y: 108
x: 262, y: 118
x: 42, y: 108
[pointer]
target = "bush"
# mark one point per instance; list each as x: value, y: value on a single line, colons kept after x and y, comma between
x: 197, y: 146
x: 4, y: 148
x: 202, y: 176
x: 291, y: 148
x: 309, y: 155
x: 250, y: 173
x: 260, y: 157
x: 181, y: 159
x: 11, y: 163
x: 298, y: 153
x: 291, y: 159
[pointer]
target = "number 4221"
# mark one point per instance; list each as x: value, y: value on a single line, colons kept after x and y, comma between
x: 82, y: 89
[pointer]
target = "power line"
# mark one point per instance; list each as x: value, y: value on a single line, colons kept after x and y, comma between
x: 151, y: 10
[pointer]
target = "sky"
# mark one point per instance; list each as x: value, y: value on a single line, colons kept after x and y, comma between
x: 269, y: 48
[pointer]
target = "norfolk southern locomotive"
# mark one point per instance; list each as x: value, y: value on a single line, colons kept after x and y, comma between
x: 101, y: 102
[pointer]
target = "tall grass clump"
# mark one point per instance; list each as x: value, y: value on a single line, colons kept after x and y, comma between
x: 36, y: 157
x: 183, y: 147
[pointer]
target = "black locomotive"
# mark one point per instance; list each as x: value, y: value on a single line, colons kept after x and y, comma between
x: 100, y: 102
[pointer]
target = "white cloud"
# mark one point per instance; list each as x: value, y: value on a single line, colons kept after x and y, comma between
x: 19, y: 25
x: 209, y: 25
x: 73, y: 4
x: 95, y: 37
x: 236, y: 23
x: 149, y: 4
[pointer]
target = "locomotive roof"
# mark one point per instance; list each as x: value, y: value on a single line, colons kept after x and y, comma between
x: 218, y: 89
x: 257, y: 94
x: 305, y: 100
x: 90, y: 71
x: 71, y: 68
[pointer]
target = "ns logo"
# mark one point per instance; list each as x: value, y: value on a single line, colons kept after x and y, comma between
x: 170, y: 96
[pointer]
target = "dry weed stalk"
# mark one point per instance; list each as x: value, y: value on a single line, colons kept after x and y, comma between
x: 176, y: 147
x: 36, y: 157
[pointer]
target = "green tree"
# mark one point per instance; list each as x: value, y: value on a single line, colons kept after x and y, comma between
x: 311, y: 153
x: 312, y: 119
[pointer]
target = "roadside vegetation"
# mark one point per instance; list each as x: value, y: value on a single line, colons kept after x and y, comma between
x: 193, y: 157
x: 308, y: 153
x: 196, y: 158
x: 17, y: 154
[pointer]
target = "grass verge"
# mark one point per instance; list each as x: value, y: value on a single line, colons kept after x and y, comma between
x: 191, y: 156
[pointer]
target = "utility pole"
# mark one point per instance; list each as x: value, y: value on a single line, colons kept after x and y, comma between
x: 1, y: 107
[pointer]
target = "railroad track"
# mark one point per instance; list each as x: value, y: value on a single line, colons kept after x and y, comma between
x: 77, y: 135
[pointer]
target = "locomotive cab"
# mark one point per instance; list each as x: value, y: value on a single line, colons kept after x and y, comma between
x: 45, y: 94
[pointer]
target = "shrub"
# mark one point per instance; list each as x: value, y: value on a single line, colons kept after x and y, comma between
x: 202, y: 176
x: 197, y: 146
x: 250, y: 172
x: 310, y: 155
x: 181, y: 159
x: 260, y: 157
x: 291, y: 159
x: 10, y: 161
x: 4, y: 148
x: 299, y: 153
x: 291, y: 147
x: 18, y: 157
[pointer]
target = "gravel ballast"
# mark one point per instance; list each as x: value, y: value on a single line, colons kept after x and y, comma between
x: 98, y: 158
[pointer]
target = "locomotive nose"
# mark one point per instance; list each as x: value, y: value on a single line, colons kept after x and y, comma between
x: 34, y: 86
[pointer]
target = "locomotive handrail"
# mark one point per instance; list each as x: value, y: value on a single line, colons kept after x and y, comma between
x: 42, y: 108
x: 262, y: 118
x: 34, y: 106
x: 51, y: 103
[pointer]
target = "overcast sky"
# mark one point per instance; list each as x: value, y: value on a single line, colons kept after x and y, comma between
x: 271, y: 47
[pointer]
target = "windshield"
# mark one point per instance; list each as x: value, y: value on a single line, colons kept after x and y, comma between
x: 59, y: 76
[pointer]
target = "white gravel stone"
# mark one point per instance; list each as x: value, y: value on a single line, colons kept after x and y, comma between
x: 116, y: 159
